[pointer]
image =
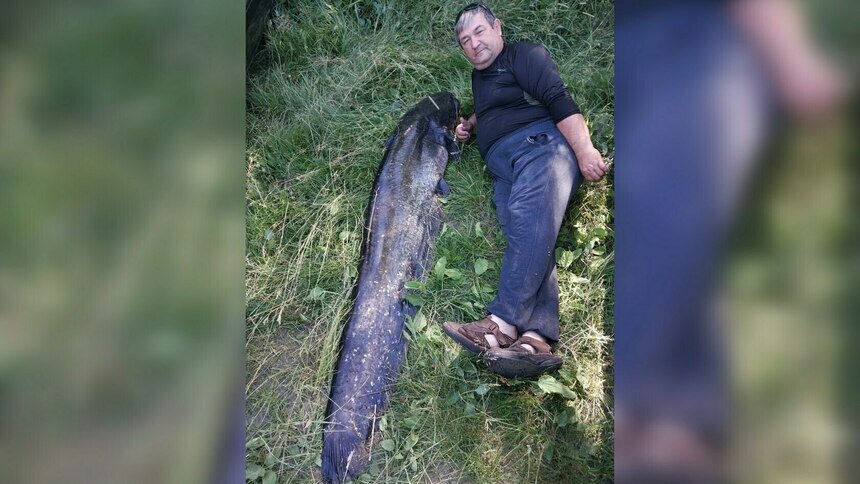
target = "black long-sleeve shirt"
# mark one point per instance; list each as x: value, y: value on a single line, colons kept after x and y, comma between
x: 520, y: 87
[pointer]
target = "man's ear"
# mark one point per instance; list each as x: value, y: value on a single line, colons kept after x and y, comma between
x: 497, y: 26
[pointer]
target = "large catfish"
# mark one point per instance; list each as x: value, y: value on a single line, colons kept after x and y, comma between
x: 403, y: 219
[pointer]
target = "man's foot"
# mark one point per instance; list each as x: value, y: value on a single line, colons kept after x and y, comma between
x: 527, y: 357
x: 474, y: 336
x: 665, y: 451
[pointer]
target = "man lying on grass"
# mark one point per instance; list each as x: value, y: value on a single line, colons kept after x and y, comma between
x: 537, y: 147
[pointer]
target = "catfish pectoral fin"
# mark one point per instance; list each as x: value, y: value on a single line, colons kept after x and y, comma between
x: 443, y: 188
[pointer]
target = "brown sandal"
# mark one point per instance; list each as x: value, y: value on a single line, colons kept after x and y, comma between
x: 518, y: 362
x: 471, y: 335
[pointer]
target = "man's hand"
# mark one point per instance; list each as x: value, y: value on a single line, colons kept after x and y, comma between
x: 591, y: 164
x: 464, y: 130
x: 575, y: 131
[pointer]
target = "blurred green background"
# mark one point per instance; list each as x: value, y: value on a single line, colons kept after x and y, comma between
x: 121, y: 253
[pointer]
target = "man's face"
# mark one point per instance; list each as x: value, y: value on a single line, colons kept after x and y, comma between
x: 480, y: 41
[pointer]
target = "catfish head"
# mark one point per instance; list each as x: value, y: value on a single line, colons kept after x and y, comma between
x: 446, y: 107
x: 441, y: 109
x: 438, y: 114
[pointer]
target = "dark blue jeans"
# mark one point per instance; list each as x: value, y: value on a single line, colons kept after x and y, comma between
x: 535, y: 174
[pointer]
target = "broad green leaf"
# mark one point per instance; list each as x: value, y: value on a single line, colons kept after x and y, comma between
x: 565, y: 417
x: 270, y: 478
x: 582, y: 378
x: 454, y: 274
x: 566, y: 259
x: 565, y: 375
x: 418, y: 322
x: 439, y: 269
x: 587, y: 448
x: 482, y: 389
x: 547, y: 456
x: 316, y: 293
x: 470, y: 409
x: 481, y: 266
x: 253, y: 472
x: 478, y: 231
x: 409, y: 443
x: 414, y: 300
x: 255, y: 443
x: 387, y: 444
x: 549, y: 384
x: 414, y: 285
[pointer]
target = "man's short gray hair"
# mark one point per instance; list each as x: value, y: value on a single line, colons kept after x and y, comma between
x: 466, y: 13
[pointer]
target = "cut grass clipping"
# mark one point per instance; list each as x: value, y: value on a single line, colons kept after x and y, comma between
x: 329, y: 87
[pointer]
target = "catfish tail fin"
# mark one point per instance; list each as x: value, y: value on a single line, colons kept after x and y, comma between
x: 342, y: 456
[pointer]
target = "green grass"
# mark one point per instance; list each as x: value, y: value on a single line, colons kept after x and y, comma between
x: 334, y: 80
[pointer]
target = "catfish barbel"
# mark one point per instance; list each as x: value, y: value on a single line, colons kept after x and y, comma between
x: 403, y: 219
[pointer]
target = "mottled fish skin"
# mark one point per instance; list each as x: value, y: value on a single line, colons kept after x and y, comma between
x: 403, y: 219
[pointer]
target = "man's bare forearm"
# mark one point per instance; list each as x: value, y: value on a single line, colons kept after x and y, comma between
x: 575, y: 131
x: 807, y: 82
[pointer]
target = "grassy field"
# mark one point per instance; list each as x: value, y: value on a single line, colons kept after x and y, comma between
x: 333, y: 81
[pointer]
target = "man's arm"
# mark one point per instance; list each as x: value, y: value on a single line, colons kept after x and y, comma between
x: 537, y: 74
x: 807, y: 82
x: 575, y: 131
